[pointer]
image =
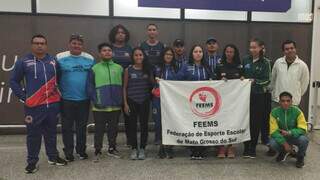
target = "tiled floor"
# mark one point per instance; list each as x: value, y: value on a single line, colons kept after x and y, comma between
x: 13, y: 152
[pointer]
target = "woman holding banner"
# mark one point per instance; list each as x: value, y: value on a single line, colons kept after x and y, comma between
x: 229, y: 68
x: 257, y: 68
x: 167, y: 70
x: 195, y: 70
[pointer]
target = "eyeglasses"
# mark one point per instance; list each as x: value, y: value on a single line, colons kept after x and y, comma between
x: 39, y: 43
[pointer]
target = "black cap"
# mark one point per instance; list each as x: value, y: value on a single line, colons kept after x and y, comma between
x: 211, y: 39
x: 178, y: 42
x: 78, y: 37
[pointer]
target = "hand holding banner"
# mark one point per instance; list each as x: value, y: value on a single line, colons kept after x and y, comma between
x: 205, y: 113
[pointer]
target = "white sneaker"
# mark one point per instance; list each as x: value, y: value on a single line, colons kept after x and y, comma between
x: 134, y: 154
x: 141, y: 155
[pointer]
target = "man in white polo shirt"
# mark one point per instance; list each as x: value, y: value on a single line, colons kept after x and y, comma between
x: 289, y: 74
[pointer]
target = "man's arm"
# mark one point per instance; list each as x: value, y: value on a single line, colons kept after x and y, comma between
x: 304, y: 79
x: 301, y: 128
x: 17, y: 76
x: 275, y: 131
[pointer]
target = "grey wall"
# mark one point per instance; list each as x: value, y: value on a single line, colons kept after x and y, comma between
x: 16, y: 31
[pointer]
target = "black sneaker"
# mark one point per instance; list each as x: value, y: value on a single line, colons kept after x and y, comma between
x: 161, y: 153
x: 170, y: 153
x: 113, y: 152
x: 200, y: 157
x: 83, y: 156
x: 271, y: 152
x: 69, y: 158
x: 193, y: 156
x: 282, y: 156
x: 246, y: 153
x: 58, y: 162
x: 252, y: 154
x: 300, y: 162
x: 31, y: 168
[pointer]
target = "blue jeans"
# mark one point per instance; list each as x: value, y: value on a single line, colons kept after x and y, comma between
x: 302, y: 143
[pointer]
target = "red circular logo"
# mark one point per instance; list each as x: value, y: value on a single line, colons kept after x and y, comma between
x: 205, y: 102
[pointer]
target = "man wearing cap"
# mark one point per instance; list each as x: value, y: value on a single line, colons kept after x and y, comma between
x: 212, y: 57
x: 179, y: 53
x: 73, y: 70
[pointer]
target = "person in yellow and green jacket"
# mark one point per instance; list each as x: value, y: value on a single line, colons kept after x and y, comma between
x: 104, y: 87
x: 288, y: 127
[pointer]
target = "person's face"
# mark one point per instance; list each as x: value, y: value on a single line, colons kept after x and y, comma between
x: 152, y: 32
x: 212, y: 46
x: 255, y: 49
x: 179, y: 50
x: 75, y: 47
x: 106, y: 53
x: 230, y: 53
x: 285, y: 102
x: 197, y: 54
x: 290, y: 51
x: 168, y: 57
x: 121, y: 35
x: 39, y: 46
x: 138, y: 57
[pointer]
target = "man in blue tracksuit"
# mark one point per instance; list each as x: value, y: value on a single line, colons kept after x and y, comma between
x: 179, y: 53
x: 41, y: 98
x: 212, y: 58
x: 74, y: 66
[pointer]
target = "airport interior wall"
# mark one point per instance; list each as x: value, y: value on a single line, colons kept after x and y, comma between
x: 16, y: 31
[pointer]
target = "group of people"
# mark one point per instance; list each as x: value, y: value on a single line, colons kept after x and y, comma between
x: 124, y: 80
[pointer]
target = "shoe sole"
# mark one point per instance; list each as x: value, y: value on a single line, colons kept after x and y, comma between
x: 115, y: 156
x: 31, y: 172
x: 82, y: 157
x: 69, y: 160
x: 56, y: 164
x: 300, y: 166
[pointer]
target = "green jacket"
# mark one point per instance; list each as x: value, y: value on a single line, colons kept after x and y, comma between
x: 104, y: 86
x: 291, y: 120
x: 259, y: 71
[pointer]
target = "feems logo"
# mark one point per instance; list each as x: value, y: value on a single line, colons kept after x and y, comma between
x: 205, y: 102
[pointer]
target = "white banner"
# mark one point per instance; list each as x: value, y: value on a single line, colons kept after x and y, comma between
x: 205, y: 113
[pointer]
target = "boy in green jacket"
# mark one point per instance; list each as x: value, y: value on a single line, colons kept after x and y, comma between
x: 104, y: 87
x: 288, y: 127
